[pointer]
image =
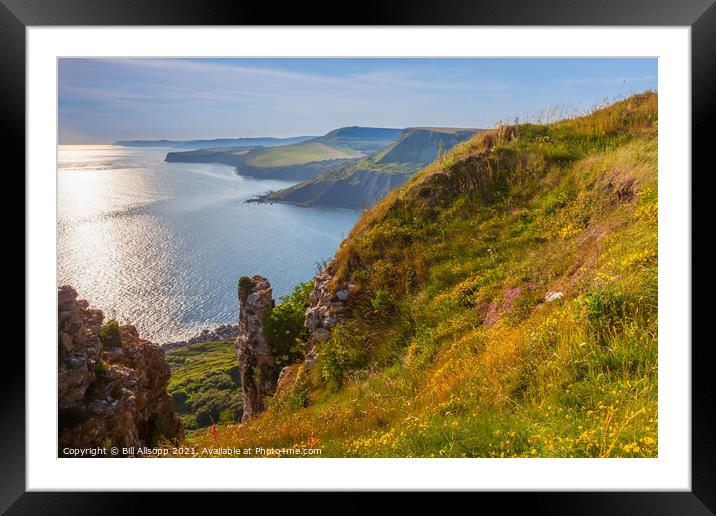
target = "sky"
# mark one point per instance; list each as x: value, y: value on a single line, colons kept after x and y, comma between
x: 105, y: 100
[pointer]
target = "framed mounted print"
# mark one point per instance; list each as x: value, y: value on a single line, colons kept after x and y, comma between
x: 445, y: 249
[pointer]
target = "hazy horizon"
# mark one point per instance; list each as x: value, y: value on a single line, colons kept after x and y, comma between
x: 102, y: 101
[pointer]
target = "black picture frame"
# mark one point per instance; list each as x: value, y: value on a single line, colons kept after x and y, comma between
x: 700, y: 15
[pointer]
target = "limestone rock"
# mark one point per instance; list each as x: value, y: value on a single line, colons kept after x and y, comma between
x: 286, y: 378
x: 112, y: 394
x: 257, y: 365
x: 553, y: 296
x: 325, y: 311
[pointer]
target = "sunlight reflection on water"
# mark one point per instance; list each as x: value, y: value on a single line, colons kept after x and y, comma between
x: 161, y: 245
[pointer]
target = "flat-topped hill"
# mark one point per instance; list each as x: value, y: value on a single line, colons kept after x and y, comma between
x: 362, y: 184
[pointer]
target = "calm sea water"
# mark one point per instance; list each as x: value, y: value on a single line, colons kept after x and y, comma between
x: 162, y: 245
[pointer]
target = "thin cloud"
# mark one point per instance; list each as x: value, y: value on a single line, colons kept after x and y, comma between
x: 108, y: 99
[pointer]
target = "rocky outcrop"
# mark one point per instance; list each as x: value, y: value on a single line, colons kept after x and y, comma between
x: 553, y: 296
x: 327, y: 308
x: 112, y: 385
x: 257, y: 365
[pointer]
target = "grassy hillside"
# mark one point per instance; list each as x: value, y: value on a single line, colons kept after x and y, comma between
x: 343, y: 143
x: 205, y: 383
x: 297, y: 154
x: 505, y: 305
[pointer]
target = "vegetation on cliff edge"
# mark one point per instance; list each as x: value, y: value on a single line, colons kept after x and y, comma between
x: 506, y: 306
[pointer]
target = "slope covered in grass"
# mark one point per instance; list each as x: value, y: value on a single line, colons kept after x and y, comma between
x: 205, y: 383
x: 504, y: 305
x: 297, y: 154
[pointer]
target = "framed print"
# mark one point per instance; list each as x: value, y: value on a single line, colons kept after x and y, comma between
x: 433, y: 249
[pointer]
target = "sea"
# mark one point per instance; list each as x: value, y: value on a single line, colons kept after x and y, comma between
x: 162, y: 245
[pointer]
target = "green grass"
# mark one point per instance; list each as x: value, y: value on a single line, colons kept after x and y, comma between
x: 390, y: 167
x: 450, y: 349
x: 297, y: 154
x: 205, y: 383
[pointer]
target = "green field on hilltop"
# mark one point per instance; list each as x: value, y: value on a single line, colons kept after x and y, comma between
x: 298, y: 154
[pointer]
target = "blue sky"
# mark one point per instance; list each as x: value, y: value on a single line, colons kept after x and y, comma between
x: 104, y: 100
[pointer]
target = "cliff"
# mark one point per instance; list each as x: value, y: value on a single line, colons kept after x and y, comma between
x: 503, y: 302
x: 360, y: 188
x: 298, y: 161
x: 112, y: 385
x: 363, y: 184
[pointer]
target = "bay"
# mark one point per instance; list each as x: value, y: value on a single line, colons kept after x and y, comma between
x: 162, y: 245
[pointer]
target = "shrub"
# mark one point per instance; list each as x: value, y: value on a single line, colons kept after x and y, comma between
x: 380, y: 301
x: 208, y: 405
x: 101, y: 368
x: 466, y: 292
x: 343, y: 352
x: 110, y: 334
x: 245, y: 282
x: 422, y: 348
x: 283, y: 326
x: 523, y: 219
x: 606, y: 310
x: 300, y: 390
x: 227, y: 416
x: 180, y: 398
x: 556, y: 200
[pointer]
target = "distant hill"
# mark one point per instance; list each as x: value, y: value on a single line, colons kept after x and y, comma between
x: 219, y: 142
x: 297, y: 161
x: 362, y: 184
x: 364, y: 139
